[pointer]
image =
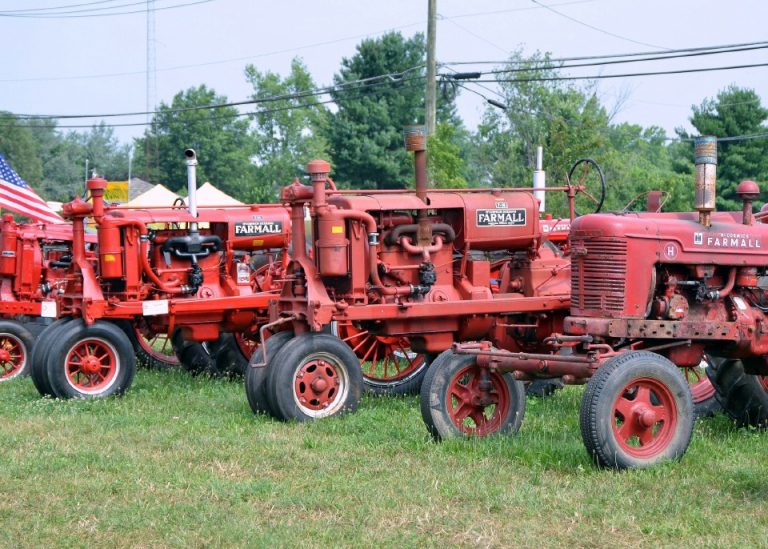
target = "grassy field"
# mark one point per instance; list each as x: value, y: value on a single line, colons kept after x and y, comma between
x: 183, y: 462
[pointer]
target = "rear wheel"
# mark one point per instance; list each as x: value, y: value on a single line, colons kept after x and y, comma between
x: 543, y: 388
x: 16, y: 344
x: 193, y: 356
x: 458, y: 398
x: 229, y: 358
x: 313, y: 376
x: 636, y: 411
x: 94, y: 361
x: 255, y: 378
x: 388, y: 365
x: 743, y: 396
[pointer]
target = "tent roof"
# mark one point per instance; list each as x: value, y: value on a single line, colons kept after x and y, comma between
x: 158, y: 195
x: 208, y: 195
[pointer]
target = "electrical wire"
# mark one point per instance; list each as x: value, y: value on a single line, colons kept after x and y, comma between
x: 561, y: 14
x: 624, y: 75
x: 53, y: 8
x: 89, y: 15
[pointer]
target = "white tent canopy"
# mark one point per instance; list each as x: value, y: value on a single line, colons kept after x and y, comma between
x: 208, y: 195
x: 158, y: 195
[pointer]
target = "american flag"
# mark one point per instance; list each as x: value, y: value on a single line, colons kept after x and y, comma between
x: 17, y: 196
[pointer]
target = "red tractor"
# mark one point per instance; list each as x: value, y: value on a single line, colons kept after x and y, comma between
x: 652, y: 293
x: 159, y: 269
x: 433, y: 266
x: 33, y: 257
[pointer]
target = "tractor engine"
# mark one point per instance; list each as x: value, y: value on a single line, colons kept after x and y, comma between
x: 673, y: 277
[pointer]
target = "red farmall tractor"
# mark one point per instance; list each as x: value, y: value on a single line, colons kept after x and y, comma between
x: 159, y: 269
x: 433, y: 266
x: 651, y: 293
x: 33, y: 257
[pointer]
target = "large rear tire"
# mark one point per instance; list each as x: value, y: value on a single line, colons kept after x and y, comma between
x: 454, y: 401
x: 193, y: 356
x: 636, y: 412
x: 743, y: 396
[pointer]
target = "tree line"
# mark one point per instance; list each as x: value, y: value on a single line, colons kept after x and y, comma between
x: 253, y: 152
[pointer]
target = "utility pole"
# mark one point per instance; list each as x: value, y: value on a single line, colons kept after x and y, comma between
x: 431, y: 98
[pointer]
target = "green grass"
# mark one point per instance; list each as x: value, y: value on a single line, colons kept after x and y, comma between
x: 183, y: 462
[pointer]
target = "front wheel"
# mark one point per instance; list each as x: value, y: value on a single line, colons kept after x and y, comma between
x: 313, y: 376
x: 94, y: 361
x: 458, y: 398
x: 636, y: 411
x: 15, y: 350
x: 255, y: 378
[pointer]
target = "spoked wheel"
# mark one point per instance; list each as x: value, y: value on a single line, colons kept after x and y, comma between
x: 313, y: 376
x: 90, y: 361
x: 255, y: 378
x: 15, y: 348
x: 743, y: 396
x: 389, y: 366
x: 592, y: 181
x: 636, y: 411
x: 154, y: 350
x: 39, y: 356
x: 705, y: 402
x: 460, y: 399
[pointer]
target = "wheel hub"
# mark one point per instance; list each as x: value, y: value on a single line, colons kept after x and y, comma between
x: 317, y: 384
x: 91, y: 364
x: 5, y: 355
x: 646, y: 417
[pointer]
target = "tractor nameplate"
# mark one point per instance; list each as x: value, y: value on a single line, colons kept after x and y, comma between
x: 257, y: 228
x: 512, y: 217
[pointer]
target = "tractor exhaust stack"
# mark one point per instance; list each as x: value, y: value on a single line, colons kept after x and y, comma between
x: 705, y: 159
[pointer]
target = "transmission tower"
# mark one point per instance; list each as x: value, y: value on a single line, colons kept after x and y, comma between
x: 150, y: 142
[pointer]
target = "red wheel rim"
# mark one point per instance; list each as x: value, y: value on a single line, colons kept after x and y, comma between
x: 644, y: 417
x: 13, y: 356
x: 320, y: 385
x: 701, y: 388
x: 383, y: 359
x: 157, y: 346
x: 92, y: 366
x: 472, y: 410
x: 763, y: 380
x: 246, y: 345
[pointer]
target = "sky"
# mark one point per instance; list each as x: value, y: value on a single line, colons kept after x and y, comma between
x: 93, y: 65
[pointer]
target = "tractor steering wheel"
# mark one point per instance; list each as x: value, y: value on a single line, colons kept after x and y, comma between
x: 589, y: 187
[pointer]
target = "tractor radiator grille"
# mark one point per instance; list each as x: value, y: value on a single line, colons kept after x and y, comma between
x: 598, y: 277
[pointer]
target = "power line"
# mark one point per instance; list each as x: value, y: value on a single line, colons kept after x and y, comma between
x: 660, y: 57
x: 615, y: 55
x: 625, y: 75
x: 53, y: 8
x: 378, y: 80
x: 561, y: 14
x: 89, y: 15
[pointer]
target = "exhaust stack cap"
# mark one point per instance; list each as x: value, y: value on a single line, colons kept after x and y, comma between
x: 415, y: 138
x: 191, y: 157
x: 318, y: 170
x: 748, y: 190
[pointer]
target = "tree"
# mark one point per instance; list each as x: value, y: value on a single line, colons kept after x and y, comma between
x: 20, y: 148
x: 445, y: 163
x: 288, y: 133
x: 365, y: 134
x: 219, y: 135
x: 735, y: 112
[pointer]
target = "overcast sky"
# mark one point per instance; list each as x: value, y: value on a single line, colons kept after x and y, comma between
x: 89, y: 65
